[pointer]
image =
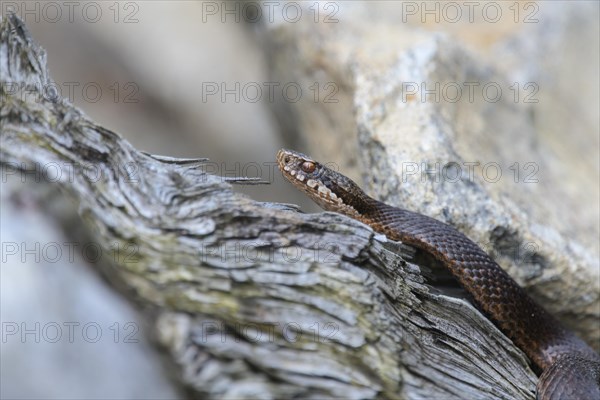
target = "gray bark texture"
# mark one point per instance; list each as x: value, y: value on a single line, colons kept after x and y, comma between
x: 252, y: 300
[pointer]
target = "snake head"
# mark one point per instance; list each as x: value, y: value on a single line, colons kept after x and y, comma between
x: 326, y: 187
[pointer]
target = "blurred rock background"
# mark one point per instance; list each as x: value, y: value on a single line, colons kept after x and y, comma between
x: 193, y: 79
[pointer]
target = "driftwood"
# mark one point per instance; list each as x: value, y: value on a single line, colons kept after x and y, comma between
x: 252, y: 299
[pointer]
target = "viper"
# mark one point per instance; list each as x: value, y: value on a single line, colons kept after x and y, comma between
x: 570, y: 369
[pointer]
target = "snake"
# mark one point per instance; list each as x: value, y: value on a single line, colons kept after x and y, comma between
x: 568, y: 367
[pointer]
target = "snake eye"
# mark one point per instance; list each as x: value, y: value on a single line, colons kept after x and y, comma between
x: 308, y: 167
x: 286, y: 159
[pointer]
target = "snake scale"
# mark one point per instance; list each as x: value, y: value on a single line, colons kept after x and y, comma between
x: 569, y: 368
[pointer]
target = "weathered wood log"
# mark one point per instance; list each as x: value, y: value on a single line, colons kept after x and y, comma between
x: 253, y: 299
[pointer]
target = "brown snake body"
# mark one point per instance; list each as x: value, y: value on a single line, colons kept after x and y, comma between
x: 570, y: 369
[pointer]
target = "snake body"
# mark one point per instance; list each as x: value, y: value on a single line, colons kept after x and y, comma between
x: 569, y: 368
